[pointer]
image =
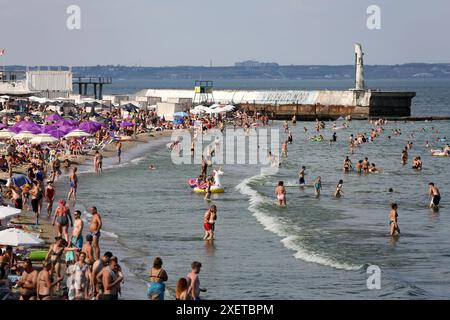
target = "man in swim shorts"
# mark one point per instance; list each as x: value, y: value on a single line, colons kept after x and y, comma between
x: 62, y: 217
x: 94, y: 228
x: 280, y: 192
x: 208, y: 222
x: 119, y: 150
x: 73, y: 185
x: 301, y: 176
x: 77, y: 236
x: 434, y: 195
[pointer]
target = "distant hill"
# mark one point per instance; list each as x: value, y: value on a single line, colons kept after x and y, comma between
x: 268, y: 71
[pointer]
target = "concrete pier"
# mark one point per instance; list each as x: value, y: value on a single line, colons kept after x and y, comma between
x: 96, y: 82
x: 322, y: 104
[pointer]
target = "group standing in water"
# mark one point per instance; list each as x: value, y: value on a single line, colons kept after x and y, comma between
x: 362, y: 166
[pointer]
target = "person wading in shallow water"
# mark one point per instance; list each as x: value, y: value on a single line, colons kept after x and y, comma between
x: 194, y: 281
x: 119, y: 150
x: 280, y: 192
x: 434, y: 195
x: 393, y: 220
x: 209, y: 221
x: 73, y: 185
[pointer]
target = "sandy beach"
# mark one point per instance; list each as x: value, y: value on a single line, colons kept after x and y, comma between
x: 47, y: 231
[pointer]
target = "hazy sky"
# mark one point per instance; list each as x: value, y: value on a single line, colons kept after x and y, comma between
x: 182, y: 32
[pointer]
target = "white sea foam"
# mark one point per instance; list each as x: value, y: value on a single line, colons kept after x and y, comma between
x: 279, y: 227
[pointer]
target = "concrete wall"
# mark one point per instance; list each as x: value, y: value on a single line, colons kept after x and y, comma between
x: 49, y: 80
x: 167, y: 109
x: 325, y: 104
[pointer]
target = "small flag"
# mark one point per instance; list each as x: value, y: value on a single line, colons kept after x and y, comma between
x: 2, y: 52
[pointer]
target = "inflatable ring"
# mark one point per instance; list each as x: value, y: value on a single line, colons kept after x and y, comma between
x: 214, y: 189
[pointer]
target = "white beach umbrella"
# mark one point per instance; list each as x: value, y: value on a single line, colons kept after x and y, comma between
x: 196, y: 111
x: 77, y: 134
x: 200, y: 107
x: 8, y: 212
x: 217, y: 110
x: 8, y: 111
x: 43, y: 138
x: 38, y: 99
x: 215, y: 105
x: 24, y: 135
x: 6, y: 134
x: 228, y: 108
x: 17, y: 237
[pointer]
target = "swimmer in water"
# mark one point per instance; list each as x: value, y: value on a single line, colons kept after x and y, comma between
x: 152, y: 167
x: 393, y: 220
x: 339, y: 191
x: 373, y: 168
x: 280, y: 192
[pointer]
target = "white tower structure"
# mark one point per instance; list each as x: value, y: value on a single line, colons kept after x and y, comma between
x: 359, y: 67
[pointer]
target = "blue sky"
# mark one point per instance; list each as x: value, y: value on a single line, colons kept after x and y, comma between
x: 180, y: 32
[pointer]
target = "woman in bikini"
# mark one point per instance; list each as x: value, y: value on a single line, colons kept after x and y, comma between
x: 280, y: 192
x: 158, y: 276
x: 55, y: 256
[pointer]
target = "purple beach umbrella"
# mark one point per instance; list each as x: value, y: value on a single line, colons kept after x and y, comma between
x: 66, y: 123
x: 27, y: 125
x: 48, y: 128
x: 33, y: 130
x: 125, y: 124
x: 57, y: 133
x: 54, y: 117
x: 15, y: 130
x: 90, y: 126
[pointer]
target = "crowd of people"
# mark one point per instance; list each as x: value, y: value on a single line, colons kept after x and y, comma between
x: 362, y: 166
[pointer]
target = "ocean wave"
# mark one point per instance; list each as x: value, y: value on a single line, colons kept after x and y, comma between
x: 279, y: 227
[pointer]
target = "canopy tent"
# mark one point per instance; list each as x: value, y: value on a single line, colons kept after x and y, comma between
x: 17, y: 237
